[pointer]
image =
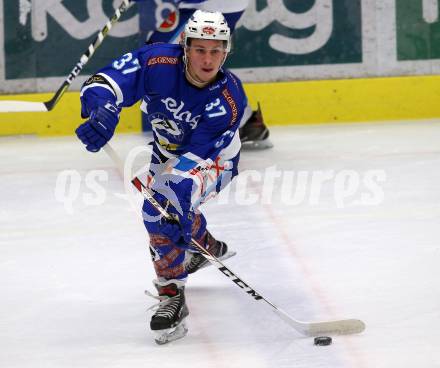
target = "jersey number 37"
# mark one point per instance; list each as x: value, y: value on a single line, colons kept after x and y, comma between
x: 215, y: 108
x: 127, y: 64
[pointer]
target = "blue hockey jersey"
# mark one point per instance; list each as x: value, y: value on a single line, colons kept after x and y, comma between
x: 194, y: 128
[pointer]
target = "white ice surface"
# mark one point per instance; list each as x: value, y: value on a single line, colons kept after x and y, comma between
x: 71, y: 284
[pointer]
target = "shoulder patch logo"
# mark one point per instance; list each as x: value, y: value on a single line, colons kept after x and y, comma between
x: 95, y: 79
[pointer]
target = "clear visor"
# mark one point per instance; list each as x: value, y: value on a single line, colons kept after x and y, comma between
x: 205, y: 50
x: 224, y: 46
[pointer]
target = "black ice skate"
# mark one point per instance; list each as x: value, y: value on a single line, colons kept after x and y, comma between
x: 168, y: 322
x: 254, y: 133
x: 196, y: 261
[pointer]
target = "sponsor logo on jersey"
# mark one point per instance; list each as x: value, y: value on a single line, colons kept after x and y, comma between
x: 231, y: 76
x: 208, y: 30
x: 162, y: 60
x: 199, y: 169
x: 214, y: 87
x: 166, y: 128
x: 162, y: 123
x: 169, y: 146
x: 177, y: 110
x: 232, y: 104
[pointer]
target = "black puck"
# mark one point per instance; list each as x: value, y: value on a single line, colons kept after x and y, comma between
x: 323, y: 340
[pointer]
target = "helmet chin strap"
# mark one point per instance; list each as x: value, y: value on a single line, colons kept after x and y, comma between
x: 194, y: 80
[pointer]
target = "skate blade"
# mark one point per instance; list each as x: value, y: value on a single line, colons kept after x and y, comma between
x: 256, y: 145
x: 171, y: 334
x: 228, y: 254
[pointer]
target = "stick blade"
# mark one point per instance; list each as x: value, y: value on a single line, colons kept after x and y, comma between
x: 341, y: 327
x: 21, y: 106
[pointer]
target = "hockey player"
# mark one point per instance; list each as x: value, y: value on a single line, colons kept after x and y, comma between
x: 253, y: 132
x: 195, y: 108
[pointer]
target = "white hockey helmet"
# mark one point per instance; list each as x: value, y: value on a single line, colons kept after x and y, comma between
x: 208, y: 26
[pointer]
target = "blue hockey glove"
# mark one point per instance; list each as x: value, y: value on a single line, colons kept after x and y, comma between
x: 179, y: 232
x: 186, y: 221
x: 179, y: 194
x: 100, y: 127
x: 178, y: 229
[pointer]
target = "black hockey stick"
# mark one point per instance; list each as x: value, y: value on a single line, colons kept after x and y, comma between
x: 340, y: 327
x: 26, y: 106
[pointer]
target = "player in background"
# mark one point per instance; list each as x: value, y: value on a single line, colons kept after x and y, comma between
x: 195, y: 108
x: 253, y: 132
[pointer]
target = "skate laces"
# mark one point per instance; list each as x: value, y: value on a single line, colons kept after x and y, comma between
x: 196, y: 260
x: 167, y: 305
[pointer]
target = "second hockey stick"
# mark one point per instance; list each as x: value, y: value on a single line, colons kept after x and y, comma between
x: 337, y: 327
x: 27, y: 106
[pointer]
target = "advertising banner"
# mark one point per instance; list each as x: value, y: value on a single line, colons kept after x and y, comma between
x: 275, y: 40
